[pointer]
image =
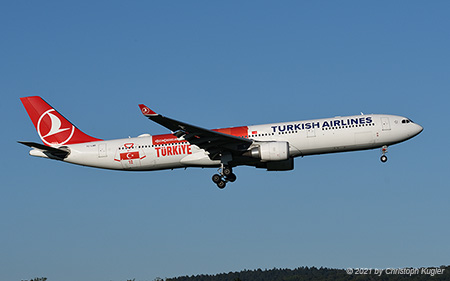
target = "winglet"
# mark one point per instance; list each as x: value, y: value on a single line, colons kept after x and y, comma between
x: 147, y: 111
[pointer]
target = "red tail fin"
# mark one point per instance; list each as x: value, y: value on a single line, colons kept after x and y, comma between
x: 51, y: 126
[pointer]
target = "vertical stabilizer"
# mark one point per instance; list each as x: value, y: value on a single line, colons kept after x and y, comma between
x: 51, y: 126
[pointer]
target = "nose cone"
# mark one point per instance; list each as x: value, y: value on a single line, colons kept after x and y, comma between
x: 417, y: 129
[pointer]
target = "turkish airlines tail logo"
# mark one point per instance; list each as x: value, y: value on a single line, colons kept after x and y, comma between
x: 50, y: 131
x: 55, y: 125
x: 51, y: 126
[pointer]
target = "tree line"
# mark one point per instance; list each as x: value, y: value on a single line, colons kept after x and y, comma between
x: 323, y: 273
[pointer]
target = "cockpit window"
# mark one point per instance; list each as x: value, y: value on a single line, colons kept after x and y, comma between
x: 406, y: 121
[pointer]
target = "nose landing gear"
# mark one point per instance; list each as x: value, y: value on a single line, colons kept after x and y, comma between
x: 226, y: 175
x: 384, y: 151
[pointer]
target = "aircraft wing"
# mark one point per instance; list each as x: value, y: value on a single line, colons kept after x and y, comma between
x: 212, y: 141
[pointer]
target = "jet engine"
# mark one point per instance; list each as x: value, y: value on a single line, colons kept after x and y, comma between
x: 269, y: 151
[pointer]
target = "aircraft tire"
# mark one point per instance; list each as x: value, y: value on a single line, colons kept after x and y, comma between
x: 384, y: 158
x: 221, y: 184
x: 216, y: 178
x: 227, y: 171
x: 231, y: 178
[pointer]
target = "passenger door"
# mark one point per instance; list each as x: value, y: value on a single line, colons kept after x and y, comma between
x: 385, y: 125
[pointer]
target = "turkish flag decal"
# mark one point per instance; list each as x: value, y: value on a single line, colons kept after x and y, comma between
x: 129, y: 155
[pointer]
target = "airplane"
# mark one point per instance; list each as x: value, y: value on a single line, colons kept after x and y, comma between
x: 269, y: 146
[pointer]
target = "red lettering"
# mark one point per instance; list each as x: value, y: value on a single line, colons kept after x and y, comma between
x: 173, y: 150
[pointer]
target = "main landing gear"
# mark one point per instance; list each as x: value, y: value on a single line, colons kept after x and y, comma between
x: 226, y: 175
x: 384, y: 151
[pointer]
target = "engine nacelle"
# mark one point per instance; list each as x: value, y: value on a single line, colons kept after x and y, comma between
x: 270, y: 151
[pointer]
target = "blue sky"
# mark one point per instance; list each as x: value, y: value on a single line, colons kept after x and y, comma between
x: 220, y: 64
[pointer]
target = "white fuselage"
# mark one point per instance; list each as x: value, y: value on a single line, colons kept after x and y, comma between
x: 308, y: 137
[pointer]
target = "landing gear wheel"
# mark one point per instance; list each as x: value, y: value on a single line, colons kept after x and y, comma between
x: 227, y: 171
x: 231, y: 177
x: 383, y: 158
x: 221, y: 184
x: 225, y: 175
x: 216, y: 178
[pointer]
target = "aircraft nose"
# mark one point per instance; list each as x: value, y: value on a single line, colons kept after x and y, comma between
x: 418, y: 129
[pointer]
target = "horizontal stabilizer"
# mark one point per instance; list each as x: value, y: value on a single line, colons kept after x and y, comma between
x: 50, y: 152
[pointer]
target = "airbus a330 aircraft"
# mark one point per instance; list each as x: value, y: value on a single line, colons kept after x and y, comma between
x: 270, y: 146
